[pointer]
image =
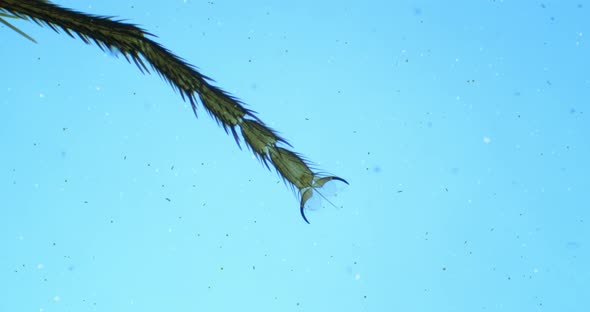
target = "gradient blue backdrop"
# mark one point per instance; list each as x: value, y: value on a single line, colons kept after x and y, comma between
x: 462, y: 127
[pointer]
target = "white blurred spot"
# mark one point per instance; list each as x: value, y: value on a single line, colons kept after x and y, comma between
x: 56, y: 298
x: 487, y: 140
x: 40, y: 266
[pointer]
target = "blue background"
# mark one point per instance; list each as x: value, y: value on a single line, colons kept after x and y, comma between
x: 462, y: 127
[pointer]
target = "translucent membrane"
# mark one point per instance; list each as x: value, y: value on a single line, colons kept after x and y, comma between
x: 325, y: 196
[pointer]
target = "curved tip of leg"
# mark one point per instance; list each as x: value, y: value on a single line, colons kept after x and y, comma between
x: 340, y: 179
x: 303, y: 213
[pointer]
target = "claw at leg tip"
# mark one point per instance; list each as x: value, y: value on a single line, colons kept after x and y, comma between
x: 303, y: 213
